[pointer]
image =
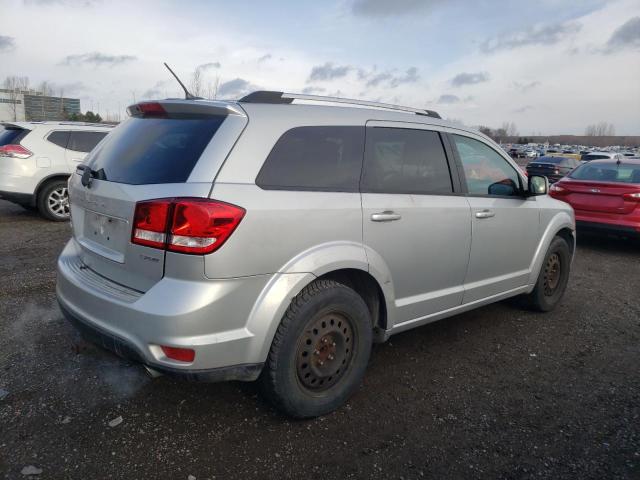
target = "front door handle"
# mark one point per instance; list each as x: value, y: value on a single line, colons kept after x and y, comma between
x: 485, y: 214
x: 386, y: 216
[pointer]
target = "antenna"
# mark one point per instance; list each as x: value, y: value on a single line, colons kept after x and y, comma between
x: 187, y: 95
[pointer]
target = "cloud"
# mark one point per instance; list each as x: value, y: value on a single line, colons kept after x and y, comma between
x: 625, y: 36
x: 386, y: 8
x: 97, y: 59
x: 313, y: 90
x: 537, y: 35
x: 525, y: 87
x: 210, y: 65
x: 7, y: 43
x: 328, y: 71
x: 388, y: 78
x: 264, y: 58
x: 448, y: 99
x: 523, y: 109
x: 469, y: 78
x: 236, y: 88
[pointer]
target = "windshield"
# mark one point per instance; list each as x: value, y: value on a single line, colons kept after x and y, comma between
x: 607, y: 172
x: 153, y: 150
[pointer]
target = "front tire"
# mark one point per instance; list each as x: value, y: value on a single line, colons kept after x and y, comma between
x: 553, y: 277
x: 320, y: 351
x: 53, y: 201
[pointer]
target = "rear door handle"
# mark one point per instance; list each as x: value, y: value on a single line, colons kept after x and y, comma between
x: 485, y: 214
x: 386, y: 216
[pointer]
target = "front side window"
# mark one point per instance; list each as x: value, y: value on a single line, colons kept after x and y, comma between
x: 399, y: 160
x: 486, y: 172
x: 322, y: 158
x: 84, y: 141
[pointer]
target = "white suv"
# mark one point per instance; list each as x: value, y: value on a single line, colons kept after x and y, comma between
x: 36, y: 159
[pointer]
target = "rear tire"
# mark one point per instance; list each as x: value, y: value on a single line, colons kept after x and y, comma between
x: 53, y: 201
x: 320, y: 351
x: 553, y: 278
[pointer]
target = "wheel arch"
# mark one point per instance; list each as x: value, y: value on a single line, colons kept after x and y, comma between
x: 562, y: 225
x: 44, y: 182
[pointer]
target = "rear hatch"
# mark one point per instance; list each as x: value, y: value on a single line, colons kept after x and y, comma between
x: 165, y: 149
x: 604, y: 187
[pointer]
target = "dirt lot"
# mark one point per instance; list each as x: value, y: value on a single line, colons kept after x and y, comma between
x: 495, y: 393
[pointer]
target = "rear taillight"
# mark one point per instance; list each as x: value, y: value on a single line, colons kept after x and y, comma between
x: 632, y: 197
x: 555, y: 188
x: 185, y: 225
x: 15, y: 151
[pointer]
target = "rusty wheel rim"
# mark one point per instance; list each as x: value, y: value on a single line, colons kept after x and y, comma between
x: 552, y: 274
x: 325, y: 351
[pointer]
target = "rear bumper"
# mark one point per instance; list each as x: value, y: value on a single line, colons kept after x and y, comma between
x: 208, y: 316
x: 19, y: 198
x: 597, y: 227
x: 124, y: 349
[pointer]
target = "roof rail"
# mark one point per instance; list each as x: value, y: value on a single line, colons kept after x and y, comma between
x: 267, y: 96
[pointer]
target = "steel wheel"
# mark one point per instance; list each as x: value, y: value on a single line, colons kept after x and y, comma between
x: 552, y: 274
x: 325, y: 352
x: 58, y: 202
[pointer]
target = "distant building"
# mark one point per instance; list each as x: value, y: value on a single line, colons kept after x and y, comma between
x: 31, y: 105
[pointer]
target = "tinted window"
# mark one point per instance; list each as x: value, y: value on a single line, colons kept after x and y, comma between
x: 595, y: 157
x: 84, y: 141
x: 401, y: 160
x: 153, y: 150
x: 315, y: 158
x: 486, y: 172
x: 549, y: 160
x: 607, y: 172
x: 11, y: 135
x: 59, y: 138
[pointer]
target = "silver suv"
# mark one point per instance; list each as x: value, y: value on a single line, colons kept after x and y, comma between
x: 279, y: 236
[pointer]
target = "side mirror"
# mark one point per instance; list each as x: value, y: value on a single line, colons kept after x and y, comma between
x: 538, y: 185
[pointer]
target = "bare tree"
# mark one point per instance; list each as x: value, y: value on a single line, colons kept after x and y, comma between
x: 601, y: 129
x: 15, y: 86
x: 212, y: 89
x: 196, y: 82
x: 510, y: 129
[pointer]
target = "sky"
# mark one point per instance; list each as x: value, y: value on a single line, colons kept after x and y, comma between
x: 549, y: 66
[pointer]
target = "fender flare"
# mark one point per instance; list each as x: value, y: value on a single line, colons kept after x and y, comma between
x: 559, y: 222
x: 276, y: 296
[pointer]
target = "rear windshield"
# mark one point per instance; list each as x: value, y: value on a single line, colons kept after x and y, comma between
x: 607, y: 172
x: 549, y: 160
x: 153, y: 150
x: 10, y: 136
x: 596, y: 157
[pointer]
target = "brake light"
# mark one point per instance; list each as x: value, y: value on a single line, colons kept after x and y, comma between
x: 632, y: 197
x: 147, y: 109
x: 15, y: 151
x: 180, y: 354
x: 185, y: 225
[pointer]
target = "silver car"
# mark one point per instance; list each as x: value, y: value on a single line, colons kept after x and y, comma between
x: 277, y: 237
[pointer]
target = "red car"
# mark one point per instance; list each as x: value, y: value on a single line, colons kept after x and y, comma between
x: 605, y: 195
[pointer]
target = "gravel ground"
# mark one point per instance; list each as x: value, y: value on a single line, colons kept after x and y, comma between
x: 494, y: 393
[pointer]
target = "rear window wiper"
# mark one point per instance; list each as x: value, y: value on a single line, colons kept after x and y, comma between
x: 88, y: 174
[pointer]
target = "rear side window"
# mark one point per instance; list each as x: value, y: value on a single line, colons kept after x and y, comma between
x: 84, y: 141
x: 405, y: 161
x: 315, y: 158
x: 9, y: 136
x: 607, y: 172
x: 59, y: 138
x: 153, y: 150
